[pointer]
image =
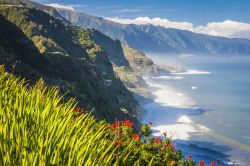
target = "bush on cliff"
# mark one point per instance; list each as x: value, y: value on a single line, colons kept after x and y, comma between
x: 38, y: 128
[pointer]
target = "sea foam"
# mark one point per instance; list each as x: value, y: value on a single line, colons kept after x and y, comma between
x: 169, y: 96
x: 170, y: 111
x: 168, y: 77
x: 194, y: 87
x: 189, y: 71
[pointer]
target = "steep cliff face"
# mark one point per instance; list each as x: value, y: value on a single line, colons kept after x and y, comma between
x: 113, y: 48
x: 35, y: 45
x: 128, y: 64
x: 152, y: 38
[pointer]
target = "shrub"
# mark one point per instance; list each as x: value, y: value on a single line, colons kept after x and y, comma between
x: 37, y: 128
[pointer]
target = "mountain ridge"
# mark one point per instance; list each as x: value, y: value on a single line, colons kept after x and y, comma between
x: 160, y: 39
x: 149, y: 38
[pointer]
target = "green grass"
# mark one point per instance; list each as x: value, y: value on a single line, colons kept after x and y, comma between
x: 38, y: 128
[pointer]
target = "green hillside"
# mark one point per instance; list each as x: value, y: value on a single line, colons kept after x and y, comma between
x: 128, y: 64
x: 38, y: 128
x: 35, y: 45
x: 31, y: 4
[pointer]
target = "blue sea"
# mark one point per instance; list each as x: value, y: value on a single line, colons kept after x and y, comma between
x: 208, y: 107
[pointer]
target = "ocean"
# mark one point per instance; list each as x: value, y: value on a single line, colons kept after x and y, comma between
x: 206, y: 109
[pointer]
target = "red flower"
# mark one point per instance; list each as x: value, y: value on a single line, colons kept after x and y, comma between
x: 150, y: 123
x: 127, y: 123
x: 168, y: 145
x: 115, y: 126
x: 213, y: 163
x: 136, y: 136
x: 77, y: 109
x: 173, y: 149
x: 164, y: 146
x: 202, y: 163
x: 119, y: 143
x: 157, y: 141
x: 80, y: 110
x: 190, y: 157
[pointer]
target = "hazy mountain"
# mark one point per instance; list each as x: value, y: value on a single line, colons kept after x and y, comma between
x: 151, y: 38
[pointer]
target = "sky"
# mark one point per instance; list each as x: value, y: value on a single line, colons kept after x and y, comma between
x: 229, y: 18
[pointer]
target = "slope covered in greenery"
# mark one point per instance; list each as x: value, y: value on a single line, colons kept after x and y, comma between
x: 31, y: 4
x: 128, y: 64
x: 34, y: 44
x: 38, y: 128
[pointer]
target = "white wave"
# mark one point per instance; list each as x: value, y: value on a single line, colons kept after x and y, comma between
x: 181, y: 129
x: 172, y: 114
x: 184, y: 119
x: 180, y: 94
x: 168, y: 77
x: 194, y: 87
x: 189, y: 71
x: 169, y: 96
x: 201, y: 128
x: 246, y: 137
x: 233, y: 163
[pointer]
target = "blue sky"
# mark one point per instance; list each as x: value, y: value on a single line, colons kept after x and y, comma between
x: 199, y: 12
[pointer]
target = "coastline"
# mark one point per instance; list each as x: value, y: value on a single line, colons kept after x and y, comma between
x: 170, y: 111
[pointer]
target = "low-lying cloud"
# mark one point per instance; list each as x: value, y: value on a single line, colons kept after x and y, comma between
x: 60, y: 6
x: 226, y: 28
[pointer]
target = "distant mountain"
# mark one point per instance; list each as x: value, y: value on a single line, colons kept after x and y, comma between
x: 149, y: 38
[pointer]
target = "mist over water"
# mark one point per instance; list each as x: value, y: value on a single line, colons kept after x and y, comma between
x: 208, y: 106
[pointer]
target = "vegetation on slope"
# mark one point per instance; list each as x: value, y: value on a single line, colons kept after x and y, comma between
x: 128, y: 64
x: 137, y: 60
x: 134, y: 82
x: 31, y: 4
x: 33, y: 45
x: 37, y: 128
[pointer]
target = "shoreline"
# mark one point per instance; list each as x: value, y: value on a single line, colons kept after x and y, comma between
x: 173, y: 116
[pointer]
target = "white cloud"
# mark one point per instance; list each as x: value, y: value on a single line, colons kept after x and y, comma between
x: 226, y: 28
x: 154, y: 21
x: 68, y: 7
